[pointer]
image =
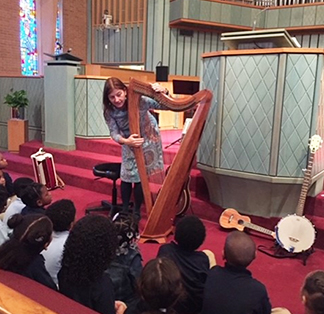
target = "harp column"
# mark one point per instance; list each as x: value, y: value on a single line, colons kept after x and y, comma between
x: 267, y: 104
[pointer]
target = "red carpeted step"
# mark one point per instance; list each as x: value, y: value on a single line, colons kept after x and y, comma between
x: 110, y: 147
x: 77, y: 158
x: 75, y: 176
x: 314, y: 206
x: 100, y: 146
x: 19, y: 164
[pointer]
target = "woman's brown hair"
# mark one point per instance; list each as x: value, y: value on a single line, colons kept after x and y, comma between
x: 111, y: 84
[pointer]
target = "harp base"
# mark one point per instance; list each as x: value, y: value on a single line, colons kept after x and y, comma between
x: 159, y: 238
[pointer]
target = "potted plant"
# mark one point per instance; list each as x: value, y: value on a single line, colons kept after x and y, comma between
x: 18, y: 101
x: 17, y: 125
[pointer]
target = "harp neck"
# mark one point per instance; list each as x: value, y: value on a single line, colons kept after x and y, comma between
x: 183, y: 104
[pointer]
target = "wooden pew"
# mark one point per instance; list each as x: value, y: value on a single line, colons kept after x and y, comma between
x: 21, y: 295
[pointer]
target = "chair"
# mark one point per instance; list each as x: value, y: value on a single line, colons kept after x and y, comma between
x: 110, y: 171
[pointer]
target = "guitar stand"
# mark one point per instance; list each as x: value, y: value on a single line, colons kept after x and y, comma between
x: 278, y: 252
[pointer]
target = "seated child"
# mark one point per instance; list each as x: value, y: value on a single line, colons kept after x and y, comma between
x: 9, y: 184
x: 62, y: 215
x: 88, y: 251
x: 3, y: 198
x: 126, y: 268
x: 35, y: 196
x: 313, y: 292
x: 21, y: 253
x: 189, y: 235
x: 160, y: 286
x: 17, y: 205
x: 234, y: 279
x: 3, y: 201
x: 2, y: 179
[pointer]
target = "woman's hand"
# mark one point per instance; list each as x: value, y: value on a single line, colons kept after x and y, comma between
x: 159, y: 88
x: 120, y: 307
x: 134, y: 140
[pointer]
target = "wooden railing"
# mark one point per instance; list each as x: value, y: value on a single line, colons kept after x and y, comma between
x: 124, y: 12
x: 276, y: 3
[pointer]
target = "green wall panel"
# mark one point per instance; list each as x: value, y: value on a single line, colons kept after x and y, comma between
x: 194, y: 9
x: 272, y: 18
x: 284, y: 17
x: 297, y: 16
x: 215, y: 11
x: 236, y: 14
x: 226, y: 14
x: 319, y: 15
x: 205, y: 13
x: 309, y: 15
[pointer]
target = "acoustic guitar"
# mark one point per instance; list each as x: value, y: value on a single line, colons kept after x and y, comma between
x: 184, y: 200
x: 230, y: 218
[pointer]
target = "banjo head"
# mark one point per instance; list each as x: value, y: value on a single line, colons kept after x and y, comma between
x: 295, y: 233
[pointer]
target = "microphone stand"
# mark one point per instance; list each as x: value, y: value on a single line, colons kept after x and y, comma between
x: 256, y: 17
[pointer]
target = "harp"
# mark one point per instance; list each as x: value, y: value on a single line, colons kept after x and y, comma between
x: 162, y: 212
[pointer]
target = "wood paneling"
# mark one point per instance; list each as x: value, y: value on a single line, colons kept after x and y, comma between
x: 17, y: 134
x: 12, y: 302
x: 124, y: 12
x: 124, y: 40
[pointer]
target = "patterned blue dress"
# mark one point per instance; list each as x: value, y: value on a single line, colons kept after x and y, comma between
x: 117, y: 121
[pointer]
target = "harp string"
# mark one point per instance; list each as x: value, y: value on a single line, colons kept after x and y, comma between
x: 135, y: 90
x: 159, y: 223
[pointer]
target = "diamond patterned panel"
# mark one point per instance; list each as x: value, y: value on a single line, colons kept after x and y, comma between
x: 96, y: 123
x: 248, y: 108
x: 319, y: 15
x: 207, y: 148
x: 80, y: 107
x: 309, y: 15
x: 297, y: 114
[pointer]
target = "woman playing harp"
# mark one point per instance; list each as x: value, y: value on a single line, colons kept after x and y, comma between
x: 115, y: 102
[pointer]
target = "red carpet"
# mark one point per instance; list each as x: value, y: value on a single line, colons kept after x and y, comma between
x: 283, y: 277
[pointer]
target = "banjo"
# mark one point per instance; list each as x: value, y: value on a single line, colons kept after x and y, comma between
x: 295, y: 233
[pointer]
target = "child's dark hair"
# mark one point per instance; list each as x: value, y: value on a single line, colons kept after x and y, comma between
x: 89, y: 249
x: 3, y: 197
x: 20, y: 184
x: 127, y: 230
x: 239, y: 249
x: 190, y: 233
x: 31, y: 194
x: 160, y: 284
x: 30, y: 235
x: 313, y: 292
x: 62, y: 214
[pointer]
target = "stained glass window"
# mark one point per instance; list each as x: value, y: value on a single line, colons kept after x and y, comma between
x: 28, y: 37
x: 58, y: 43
